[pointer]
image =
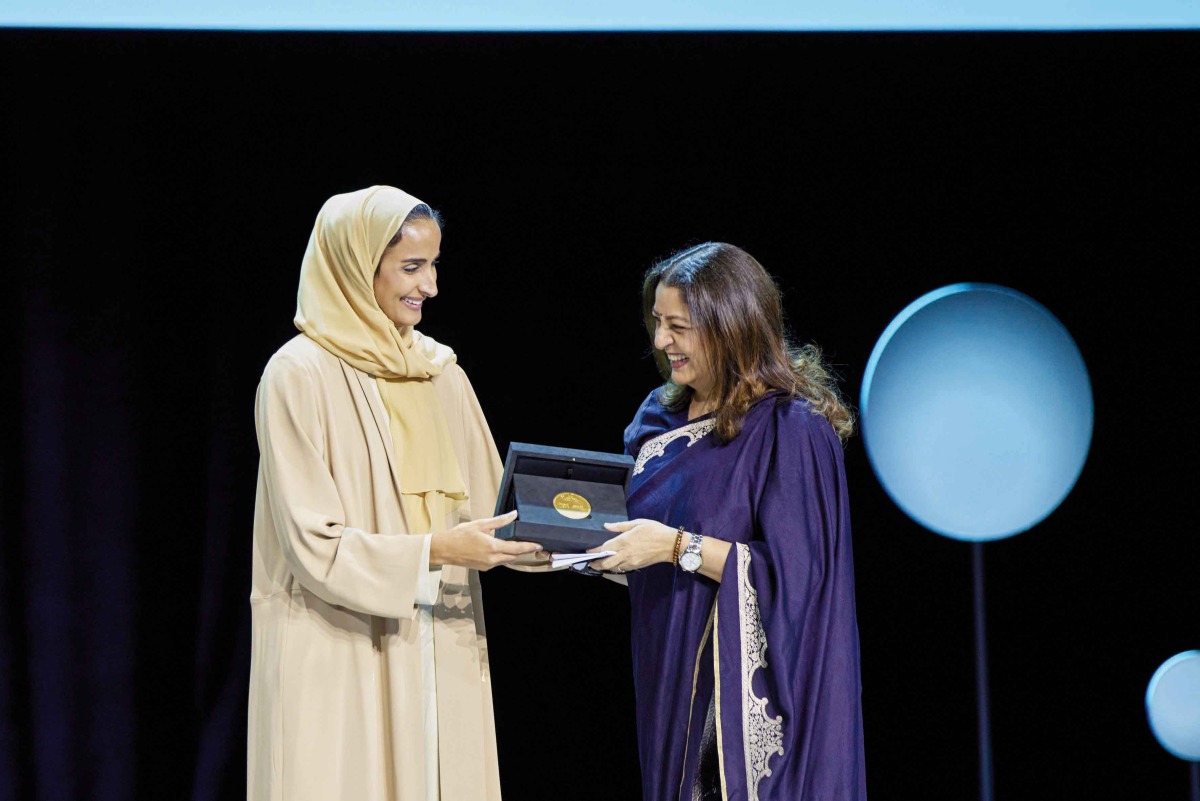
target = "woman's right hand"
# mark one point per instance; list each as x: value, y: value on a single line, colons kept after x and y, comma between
x: 473, y: 544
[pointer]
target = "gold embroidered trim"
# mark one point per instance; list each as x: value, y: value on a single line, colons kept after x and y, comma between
x: 658, y: 446
x: 717, y: 696
x: 762, y: 735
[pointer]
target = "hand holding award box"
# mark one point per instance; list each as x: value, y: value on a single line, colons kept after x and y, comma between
x: 564, y: 496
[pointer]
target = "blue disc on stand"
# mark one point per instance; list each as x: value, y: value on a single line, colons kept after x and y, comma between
x: 976, y: 411
x: 1173, y: 705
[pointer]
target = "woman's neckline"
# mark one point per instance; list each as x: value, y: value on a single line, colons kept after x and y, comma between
x: 687, y: 410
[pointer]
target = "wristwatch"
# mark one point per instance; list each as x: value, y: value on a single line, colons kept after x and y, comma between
x: 690, y: 560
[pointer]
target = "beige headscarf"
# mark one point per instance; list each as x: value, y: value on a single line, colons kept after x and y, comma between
x: 337, y: 308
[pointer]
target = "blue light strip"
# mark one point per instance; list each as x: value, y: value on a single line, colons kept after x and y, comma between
x: 616, y: 15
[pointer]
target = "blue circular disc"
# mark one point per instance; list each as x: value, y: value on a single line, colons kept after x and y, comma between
x: 976, y: 411
x: 1173, y: 705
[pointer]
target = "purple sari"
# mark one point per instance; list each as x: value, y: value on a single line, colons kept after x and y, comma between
x: 747, y: 689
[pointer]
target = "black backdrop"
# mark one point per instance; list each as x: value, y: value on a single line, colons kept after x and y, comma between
x: 158, y: 191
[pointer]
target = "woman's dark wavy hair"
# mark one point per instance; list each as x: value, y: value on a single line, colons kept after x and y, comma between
x: 735, y: 308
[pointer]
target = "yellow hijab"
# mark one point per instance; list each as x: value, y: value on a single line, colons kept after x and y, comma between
x: 336, y: 308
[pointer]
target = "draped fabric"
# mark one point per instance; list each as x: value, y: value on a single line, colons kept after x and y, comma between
x: 336, y: 709
x: 336, y: 308
x: 747, y: 689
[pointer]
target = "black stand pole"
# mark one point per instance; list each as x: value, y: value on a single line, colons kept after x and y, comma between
x: 981, y: 681
x: 1196, y: 781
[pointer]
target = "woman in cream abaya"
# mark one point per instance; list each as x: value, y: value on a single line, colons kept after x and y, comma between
x: 377, y: 479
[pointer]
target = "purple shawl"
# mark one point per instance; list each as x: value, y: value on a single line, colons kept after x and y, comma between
x: 749, y: 686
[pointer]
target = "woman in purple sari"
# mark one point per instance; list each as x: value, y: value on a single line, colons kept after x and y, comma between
x: 738, y: 552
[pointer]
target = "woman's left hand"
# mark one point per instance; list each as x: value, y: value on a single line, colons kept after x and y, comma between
x: 638, y: 543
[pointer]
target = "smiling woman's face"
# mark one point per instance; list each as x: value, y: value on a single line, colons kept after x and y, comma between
x: 676, y: 336
x: 407, y: 274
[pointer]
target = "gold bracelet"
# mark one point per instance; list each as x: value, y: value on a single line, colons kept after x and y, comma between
x: 678, y: 543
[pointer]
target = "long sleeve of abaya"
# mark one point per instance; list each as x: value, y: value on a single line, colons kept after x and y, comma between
x: 369, y: 572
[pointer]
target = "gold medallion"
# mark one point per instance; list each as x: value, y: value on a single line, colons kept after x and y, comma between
x: 572, y: 505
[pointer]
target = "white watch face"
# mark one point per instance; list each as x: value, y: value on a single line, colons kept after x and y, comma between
x: 690, y: 561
